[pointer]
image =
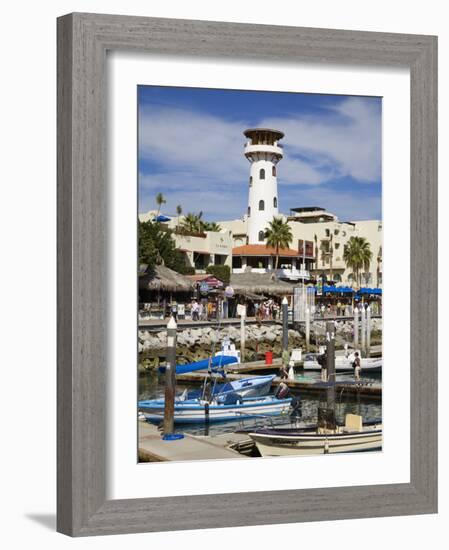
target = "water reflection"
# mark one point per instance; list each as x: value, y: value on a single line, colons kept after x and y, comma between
x: 151, y: 386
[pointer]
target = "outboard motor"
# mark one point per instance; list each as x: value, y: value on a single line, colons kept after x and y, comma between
x: 296, y: 407
x: 282, y: 392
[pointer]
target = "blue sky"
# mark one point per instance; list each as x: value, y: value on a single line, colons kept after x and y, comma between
x: 191, y: 149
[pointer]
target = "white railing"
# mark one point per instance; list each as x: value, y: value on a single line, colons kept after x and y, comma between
x: 294, y: 274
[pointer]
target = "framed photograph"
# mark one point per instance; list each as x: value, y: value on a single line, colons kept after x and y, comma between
x: 247, y: 274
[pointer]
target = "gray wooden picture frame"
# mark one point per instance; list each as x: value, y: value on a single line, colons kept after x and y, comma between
x: 83, y: 41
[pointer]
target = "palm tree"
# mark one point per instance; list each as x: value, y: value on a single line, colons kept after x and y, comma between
x: 160, y: 200
x: 193, y: 222
x: 331, y: 257
x: 211, y: 226
x: 357, y: 255
x: 278, y: 235
x: 178, y: 213
x: 379, y: 265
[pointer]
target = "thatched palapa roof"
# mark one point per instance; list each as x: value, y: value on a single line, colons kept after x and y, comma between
x: 165, y: 279
x: 259, y: 283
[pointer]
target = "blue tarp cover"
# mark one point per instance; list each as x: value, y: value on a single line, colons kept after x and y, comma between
x: 161, y: 218
x: 216, y: 362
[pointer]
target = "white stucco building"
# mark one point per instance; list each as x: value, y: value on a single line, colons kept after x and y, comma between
x: 319, y: 237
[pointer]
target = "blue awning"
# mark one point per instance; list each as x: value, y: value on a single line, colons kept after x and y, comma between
x: 161, y: 218
x: 337, y: 290
x: 377, y: 291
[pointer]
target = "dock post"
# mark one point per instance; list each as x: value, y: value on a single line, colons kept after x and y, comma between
x: 170, y: 378
x: 363, y: 331
x: 307, y: 329
x: 356, y: 327
x: 368, y: 331
x: 330, y: 353
x: 242, y: 336
x: 284, y: 324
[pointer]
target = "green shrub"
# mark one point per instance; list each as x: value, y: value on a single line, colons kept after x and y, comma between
x: 186, y: 270
x: 222, y: 272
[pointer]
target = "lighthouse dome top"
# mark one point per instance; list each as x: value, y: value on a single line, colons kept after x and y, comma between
x: 263, y: 134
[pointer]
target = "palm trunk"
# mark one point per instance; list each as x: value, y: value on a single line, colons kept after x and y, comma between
x: 277, y: 258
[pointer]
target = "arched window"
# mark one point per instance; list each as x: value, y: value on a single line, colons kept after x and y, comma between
x: 249, y: 211
x: 273, y: 170
x: 262, y: 174
x: 261, y: 205
x: 250, y: 181
x: 275, y: 202
x: 261, y: 236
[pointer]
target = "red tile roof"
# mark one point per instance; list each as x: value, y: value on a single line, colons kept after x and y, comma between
x: 263, y: 250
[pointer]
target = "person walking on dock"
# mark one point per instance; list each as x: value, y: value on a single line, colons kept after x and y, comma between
x: 357, y: 366
x: 195, y: 311
x: 174, y: 311
x: 322, y: 361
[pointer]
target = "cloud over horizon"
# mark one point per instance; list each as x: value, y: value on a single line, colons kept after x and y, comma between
x: 194, y: 155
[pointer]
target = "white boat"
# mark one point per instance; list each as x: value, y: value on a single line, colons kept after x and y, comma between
x: 228, y: 350
x: 201, y: 411
x: 255, y: 386
x: 344, y: 363
x: 352, y: 437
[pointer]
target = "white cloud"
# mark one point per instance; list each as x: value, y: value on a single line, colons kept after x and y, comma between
x: 180, y: 140
x: 347, y: 206
x: 222, y: 203
x: 345, y: 142
x: 197, y: 159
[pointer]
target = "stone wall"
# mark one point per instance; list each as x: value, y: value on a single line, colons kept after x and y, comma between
x: 195, y: 343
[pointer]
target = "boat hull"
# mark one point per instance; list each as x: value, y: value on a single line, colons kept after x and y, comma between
x: 247, y: 387
x: 306, y: 444
x: 343, y: 364
x: 200, y: 412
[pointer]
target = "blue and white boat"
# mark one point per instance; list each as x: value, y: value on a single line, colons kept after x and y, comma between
x: 233, y: 407
x: 246, y: 387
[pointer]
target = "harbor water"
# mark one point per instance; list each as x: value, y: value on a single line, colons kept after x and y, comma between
x: 151, y: 386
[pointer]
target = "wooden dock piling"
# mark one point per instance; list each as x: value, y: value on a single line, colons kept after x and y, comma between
x: 307, y: 329
x: 170, y: 378
x: 356, y: 327
x: 330, y: 353
x: 242, y: 334
x: 284, y: 324
x: 368, y: 331
x: 363, y: 331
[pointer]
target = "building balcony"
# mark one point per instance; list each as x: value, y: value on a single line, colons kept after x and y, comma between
x: 251, y: 149
x: 290, y: 274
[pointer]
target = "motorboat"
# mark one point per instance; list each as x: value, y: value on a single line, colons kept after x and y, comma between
x: 255, y: 386
x: 344, y: 362
x: 353, y: 436
x: 205, y: 411
x: 228, y: 349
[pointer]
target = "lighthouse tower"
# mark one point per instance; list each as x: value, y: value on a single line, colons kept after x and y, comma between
x: 263, y: 152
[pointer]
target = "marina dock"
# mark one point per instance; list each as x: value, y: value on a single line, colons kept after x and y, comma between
x: 306, y: 385
x: 152, y: 448
x: 158, y: 324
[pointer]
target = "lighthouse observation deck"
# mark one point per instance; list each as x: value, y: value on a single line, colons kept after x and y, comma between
x: 263, y: 141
